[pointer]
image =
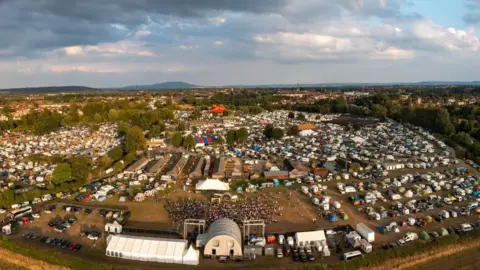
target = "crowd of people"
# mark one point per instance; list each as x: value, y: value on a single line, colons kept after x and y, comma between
x: 180, y: 210
x: 257, y: 208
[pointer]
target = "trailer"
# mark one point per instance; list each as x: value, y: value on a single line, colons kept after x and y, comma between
x: 365, y: 246
x: 366, y: 232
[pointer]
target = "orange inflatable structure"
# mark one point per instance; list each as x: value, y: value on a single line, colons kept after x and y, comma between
x: 217, y: 109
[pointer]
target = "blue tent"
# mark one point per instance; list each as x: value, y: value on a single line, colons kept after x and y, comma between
x: 196, y: 139
x: 332, y: 217
x: 205, y: 140
x: 276, y: 182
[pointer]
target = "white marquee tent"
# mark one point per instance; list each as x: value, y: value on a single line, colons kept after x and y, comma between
x: 150, y: 249
x: 212, y: 184
x: 307, y: 238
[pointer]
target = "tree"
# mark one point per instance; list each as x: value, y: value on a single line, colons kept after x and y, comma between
x: 129, y: 157
x: 189, y: 142
x: 182, y: 126
x: 227, y: 113
x: 61, y: 174
x: 116, y: 153
x: 177, y: 139
x: 105, y: 161
x: 241, y: 135
x: 195, y: 114
x: 268, y: 131
x: 8, y: 198
x: 293, y: 130
x: 291, y: 115
x: 135, y: 140
x: 379, y: 111
x: 118, y: 166
x: 156, y: 130
x: 356, y: 126
x: 301, y: 117
x: 230, y: 137
x: 7, y: 110
x: 277, y: 133
x: 81, y: 167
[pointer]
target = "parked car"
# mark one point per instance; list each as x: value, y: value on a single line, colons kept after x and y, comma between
x: 295, y: 256
x: 43, y: 239
x: 72, y: 245
x: 279, y: 253
x: 77, y: 247
x: 303, y: 256
x: 92, y: 237
x: 311, y: 257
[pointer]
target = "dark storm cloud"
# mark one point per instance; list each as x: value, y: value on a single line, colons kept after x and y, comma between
x: 45, y: 24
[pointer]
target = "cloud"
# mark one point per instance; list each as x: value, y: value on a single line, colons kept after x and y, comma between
x: 61, y: 69
x: 288, y: 46
x: 142, y: 33
x: 186, y: 47
x: 446, y: 38
x: 122, y: 41
x: 217, y: 20
x: 117, y: 48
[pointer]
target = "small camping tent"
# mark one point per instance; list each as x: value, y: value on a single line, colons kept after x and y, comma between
x: 113, y: 227
x: 7, y: 229
x: 443, y: 231
x: 425, y: 236
x: 140, y: 197
x: 408, y: 194
x: 332, y: 217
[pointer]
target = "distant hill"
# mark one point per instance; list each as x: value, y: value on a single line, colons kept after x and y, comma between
x: 48, y: 89
x: 160, y: 86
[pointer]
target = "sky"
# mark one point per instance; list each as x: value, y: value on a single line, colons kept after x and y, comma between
x: 112, y: 43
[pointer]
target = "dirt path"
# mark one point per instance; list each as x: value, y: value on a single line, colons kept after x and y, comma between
x: 418, y: 260
x: 27, y: 262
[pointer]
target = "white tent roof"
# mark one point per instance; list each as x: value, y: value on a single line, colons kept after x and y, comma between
x: 190, y: 256
x: 212, y: 184
x: 150, y: 249
x: 307, y: 237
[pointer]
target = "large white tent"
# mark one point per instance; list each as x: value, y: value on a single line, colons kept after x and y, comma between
x: 307, y: 238
x: 212, y: 184
x: 151, y: 249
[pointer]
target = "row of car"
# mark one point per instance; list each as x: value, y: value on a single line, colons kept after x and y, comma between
x: 303, y: 254
x: 60, y: 225
x: 62, y: 243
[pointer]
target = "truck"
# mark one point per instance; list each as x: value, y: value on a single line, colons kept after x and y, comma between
x: 466, y: 227
x: 365, y: 232
x: 365, y: 246
x: 409, y: 237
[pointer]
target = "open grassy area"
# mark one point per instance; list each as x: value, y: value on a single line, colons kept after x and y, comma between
x: 55, y: 258
x: 9, y: 266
